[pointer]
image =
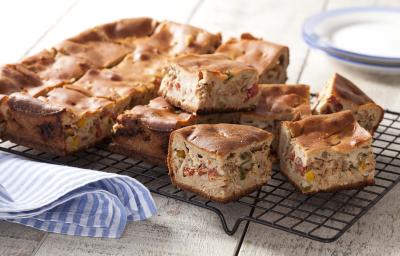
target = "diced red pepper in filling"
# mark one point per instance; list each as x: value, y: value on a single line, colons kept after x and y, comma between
x: 170, y: 84
x: 291, y: 156
x: 188, y: 172
x: 300, y: 168
x: 212, y: 174
x: 335, y: 105
x: 252, y: 92
x: 177, y: 85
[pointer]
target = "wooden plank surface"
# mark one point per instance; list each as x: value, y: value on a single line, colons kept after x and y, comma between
x: 178, y: 229
x: 17, y: 239
x: 23, y: 23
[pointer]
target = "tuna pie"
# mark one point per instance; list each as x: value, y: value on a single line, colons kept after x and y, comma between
x: 277, y: 103
x: 61, y: 121
x: 326, y: 153
x: 144, y: 131
x: 222, y: 162
x: 271, y: 60
x: 341, y: 94
x: 210, y: 83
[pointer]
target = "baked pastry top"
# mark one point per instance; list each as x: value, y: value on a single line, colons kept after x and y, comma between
x: 261, y: 54
x: 99, y: 53
x: 342, y: 88
x: 75, y: 101
x: 214, y: 63
x: 221, y: 139
x: 148, y: 67
x: 281, y: 101
x: 15, y: 77
x: 174, y: 38
x: 127, y: 31
x: 338, y: 131
x: 55, y: 68
x: 103, y: 83
x: 341, y: 94
x: 158, y: 115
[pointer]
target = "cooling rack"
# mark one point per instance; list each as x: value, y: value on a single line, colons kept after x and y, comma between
x: 323, y: 217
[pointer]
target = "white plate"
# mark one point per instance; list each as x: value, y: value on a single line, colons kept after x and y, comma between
x: 366, y: 34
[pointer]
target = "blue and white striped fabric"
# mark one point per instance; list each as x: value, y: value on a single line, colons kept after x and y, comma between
x: 70, y: 200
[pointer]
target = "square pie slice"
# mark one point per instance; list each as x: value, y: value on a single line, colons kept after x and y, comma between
x: 109, y: 85
x: 210, y: 83
x: 144, y: 130
x: 271, y: 60
x: 128, y: 31
x: 326, y: 153
x: 14, y: 78
x: 277, y: 103
x: 54, y: 69
x: 101, y: 54
x: 222, y: 162
x: 60, y: 122
x: 341, y: 94
x: 174, y: 38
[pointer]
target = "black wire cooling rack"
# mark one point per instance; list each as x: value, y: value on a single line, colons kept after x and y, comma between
x: 323, y: 217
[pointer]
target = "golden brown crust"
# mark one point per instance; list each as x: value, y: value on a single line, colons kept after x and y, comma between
x: 341, y: 94
x: 128, y: 29
x: 56, y: 68
x: 35, y: 123
x: 100, y: 54
x: 221, y: 139
x: 214, y: 63
x: 261, y: 54
x: 148, y: 67
x: 15, y: 77
x: 357, y: 185
x: 346, y: 90
x: 158, y: 115
x: 338, y: 131
x: 105, y: 84
x: 28, y: 105
x: 379, y: 120
x: 281, y: 101
x: 174, y: 38
x: 201, y: 193
x: 73, y: 100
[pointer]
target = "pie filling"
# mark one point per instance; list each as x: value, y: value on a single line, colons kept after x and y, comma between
x: 221, y: 176
x: 87, y: 131
x: 329, y: 169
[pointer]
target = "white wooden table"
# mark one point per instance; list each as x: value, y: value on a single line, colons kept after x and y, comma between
x: 28, y: 26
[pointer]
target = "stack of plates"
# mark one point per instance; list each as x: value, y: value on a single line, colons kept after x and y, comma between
x: 367, y: 36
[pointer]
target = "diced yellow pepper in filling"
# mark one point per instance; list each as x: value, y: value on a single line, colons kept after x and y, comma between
x: 180, y: 153
x: 75, y: 143
x: 309, y: 176
x: 81, y: 123
x: 363, y: 166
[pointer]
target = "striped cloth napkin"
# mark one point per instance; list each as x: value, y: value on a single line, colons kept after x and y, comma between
x: 69, y: 200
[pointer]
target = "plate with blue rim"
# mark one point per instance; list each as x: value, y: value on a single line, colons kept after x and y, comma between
x: 368, y: 36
